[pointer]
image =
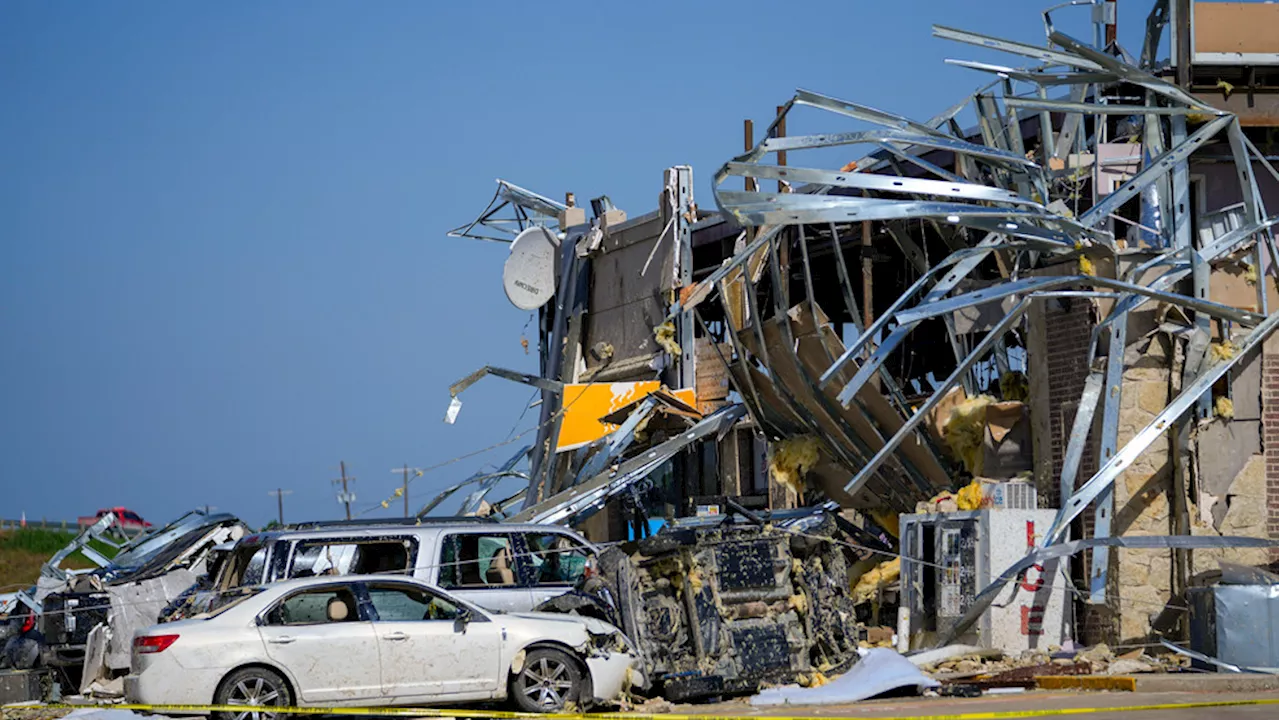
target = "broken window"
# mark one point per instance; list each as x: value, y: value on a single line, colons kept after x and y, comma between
x: 398, y: 603
x: 313, y: 606
x: 245, y: 566
x: 474, y: 560
x: 556, y: 559
x: 350, y: 558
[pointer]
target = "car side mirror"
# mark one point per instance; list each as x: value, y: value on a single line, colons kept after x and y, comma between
x: 461, y: 620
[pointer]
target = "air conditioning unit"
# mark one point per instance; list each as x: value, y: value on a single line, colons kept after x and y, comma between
x: 1012, y: 495
x: 949, y: 557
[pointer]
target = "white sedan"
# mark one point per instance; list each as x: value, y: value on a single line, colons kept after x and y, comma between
x: 374, y: 641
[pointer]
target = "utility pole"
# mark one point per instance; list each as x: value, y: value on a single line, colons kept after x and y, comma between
x: 279, y: 503
x: 345, y: 497
x: 404, y: 489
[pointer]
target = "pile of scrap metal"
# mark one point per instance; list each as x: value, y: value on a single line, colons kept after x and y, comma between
x: 82, y: 622
x: 724, y: 605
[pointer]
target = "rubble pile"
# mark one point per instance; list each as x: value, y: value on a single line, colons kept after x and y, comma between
x: 982, y: 668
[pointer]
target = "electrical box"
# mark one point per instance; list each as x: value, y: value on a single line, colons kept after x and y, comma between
x: 948, y: 558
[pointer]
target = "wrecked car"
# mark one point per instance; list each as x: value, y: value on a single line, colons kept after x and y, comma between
x: 362, y: 639
x: 88, y: 621
x: 505, y: 566
x: 719, y: 606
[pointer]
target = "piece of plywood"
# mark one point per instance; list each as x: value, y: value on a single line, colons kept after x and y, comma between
x: 711, y: 380
x: 1225, y: 447
x: 1235, y: 27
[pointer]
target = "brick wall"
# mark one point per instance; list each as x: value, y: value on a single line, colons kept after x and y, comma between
x: 1068, y: 331
x: 1271, y: 438
x: 1067, y: 334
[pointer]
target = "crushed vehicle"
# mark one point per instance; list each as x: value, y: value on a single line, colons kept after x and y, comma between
x: 720, y: 606
x: 125, y: 518
x: 505, y: 566
x: 374, y: 639
x: 85, y: 620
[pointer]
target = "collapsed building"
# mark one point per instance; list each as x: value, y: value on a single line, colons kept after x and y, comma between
x: 1071, y: 304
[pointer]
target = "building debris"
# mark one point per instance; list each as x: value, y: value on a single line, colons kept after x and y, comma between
x: 1060, y: 309
x: 880, y: 671
x: 82, y: 622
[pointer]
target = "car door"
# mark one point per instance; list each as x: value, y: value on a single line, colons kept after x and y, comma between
x: 428, y: 650
x: 322, y: 638
x: 484, y: 568
x: 556, y: 562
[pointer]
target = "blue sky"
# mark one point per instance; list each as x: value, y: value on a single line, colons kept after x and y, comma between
x: 224, y: 257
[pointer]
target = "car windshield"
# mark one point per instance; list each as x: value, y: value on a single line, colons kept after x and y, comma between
x: 158, y: 560
x: 145, y: 547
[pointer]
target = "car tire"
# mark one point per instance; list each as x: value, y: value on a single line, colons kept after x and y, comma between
x: 548, y: 680
x: 253, y: 686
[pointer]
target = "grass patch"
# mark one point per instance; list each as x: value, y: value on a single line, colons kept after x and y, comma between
x: 35, y: 540
x: 25, y: 550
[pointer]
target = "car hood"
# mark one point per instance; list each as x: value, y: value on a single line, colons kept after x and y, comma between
x: 591, y: 625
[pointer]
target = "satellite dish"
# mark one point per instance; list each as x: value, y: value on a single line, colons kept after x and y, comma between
x: 529, y: 275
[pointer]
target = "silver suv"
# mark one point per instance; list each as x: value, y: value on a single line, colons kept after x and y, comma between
x: 498, y: 566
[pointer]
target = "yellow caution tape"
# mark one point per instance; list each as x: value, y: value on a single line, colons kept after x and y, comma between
x: 507, y: 715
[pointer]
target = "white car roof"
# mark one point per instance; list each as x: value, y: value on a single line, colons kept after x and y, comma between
x: 405, y: 530
x: 319, y: 580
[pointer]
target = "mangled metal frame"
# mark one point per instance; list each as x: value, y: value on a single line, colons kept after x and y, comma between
x: 1017, y: 216
x: 526, y: 209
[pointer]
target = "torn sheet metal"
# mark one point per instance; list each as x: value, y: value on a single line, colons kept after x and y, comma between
x: 880, y: 671
x: 523, y: 208
x: 134, y: 606
x: 1237, y: 625
x: 541, y: 383
x: 486, y: 480
x: 1213, y: 661
x: 577, y: 503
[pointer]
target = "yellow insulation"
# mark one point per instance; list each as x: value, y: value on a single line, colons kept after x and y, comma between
x: 665, y: 336
x: 792, y: 458
x: 817, y: 679
x: 1224, y: 408
x: 1250, y: 274
x: 1014, y: 387
x: 970, y: 496
x: 695, y: 581
x: 886, y: 519
x: 882, y: 575
x: 966, y: 429
x: 1224, y: 350
x: 1086, y: 266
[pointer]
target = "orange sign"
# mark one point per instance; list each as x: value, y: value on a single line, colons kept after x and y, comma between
x: 586, y: 403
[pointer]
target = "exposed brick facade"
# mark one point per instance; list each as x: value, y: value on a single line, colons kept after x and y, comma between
x: 1068, y: 331
x: 1271, y: 438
